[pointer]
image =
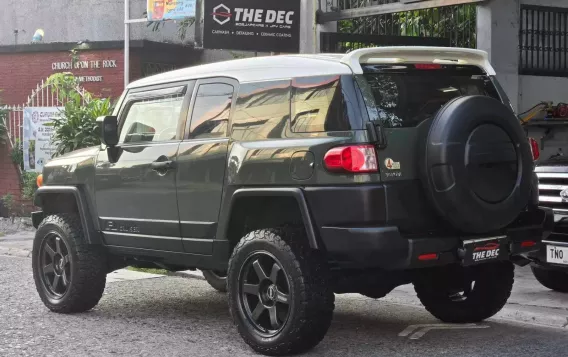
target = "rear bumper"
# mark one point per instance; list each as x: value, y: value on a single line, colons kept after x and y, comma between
x: 387, y: 248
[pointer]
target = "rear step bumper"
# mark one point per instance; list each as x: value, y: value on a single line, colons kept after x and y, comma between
x: 387, y: 248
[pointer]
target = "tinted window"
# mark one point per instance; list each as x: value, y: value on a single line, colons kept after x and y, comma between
x: 211, y: 111
x: 405, y: 96
x: 319, y: 104
x: 262, y: 111
x: 153, y: 119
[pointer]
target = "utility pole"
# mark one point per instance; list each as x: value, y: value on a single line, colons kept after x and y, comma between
x: 127, y: 22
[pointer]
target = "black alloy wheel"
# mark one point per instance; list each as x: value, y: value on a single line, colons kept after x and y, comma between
x: 55, y: 265
x: 264, y: 293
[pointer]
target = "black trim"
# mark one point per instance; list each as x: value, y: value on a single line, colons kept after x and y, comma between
x: 277, y: 192
x: 90, y: 227
x: 143, y: 241
x: 198, y: 230
x: 140, y: 226
x: 204, y: 262
x: 92, y: 46
x: 198, y: 246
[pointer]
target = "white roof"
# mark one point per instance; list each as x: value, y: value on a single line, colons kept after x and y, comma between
x: 290, y: 66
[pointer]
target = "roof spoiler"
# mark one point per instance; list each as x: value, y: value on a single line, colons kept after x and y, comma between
x: 417, y: 54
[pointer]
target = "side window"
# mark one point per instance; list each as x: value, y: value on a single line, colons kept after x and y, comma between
x: 318, y: 105
x: 151, y: 120
x: 211, y: 111
x: 262, y: 111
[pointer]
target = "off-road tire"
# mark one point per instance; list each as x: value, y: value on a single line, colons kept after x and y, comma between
x: 492, y: 289
x: 552, y: 279
x: 216, y: 280
x: 311, y: 296
x: 89, y: 266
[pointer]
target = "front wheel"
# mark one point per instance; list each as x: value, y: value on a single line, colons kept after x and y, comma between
x: 553, y: 279
x: 461, y: 295
x: 69, y: 274
x: 279, y: 292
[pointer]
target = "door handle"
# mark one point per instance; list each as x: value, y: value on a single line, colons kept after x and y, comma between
x: 162, y: 165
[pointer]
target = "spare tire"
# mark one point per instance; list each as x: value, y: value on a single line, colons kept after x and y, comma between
x: 477, y: 164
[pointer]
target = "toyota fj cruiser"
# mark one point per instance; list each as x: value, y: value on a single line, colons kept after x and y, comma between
x: 300, y: 177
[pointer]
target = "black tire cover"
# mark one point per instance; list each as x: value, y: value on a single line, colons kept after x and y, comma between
x: 477, y: 164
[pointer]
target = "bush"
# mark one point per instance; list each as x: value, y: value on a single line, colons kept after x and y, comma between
x: 76, y: 128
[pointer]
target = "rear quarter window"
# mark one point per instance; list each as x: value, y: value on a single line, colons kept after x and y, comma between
x: 405, y: 96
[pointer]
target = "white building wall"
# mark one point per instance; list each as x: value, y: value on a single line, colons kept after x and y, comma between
x: 498, y: 34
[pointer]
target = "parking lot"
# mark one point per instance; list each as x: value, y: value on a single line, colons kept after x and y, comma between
x: 148, y: 315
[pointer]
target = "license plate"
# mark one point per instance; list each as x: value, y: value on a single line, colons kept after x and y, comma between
x: 485, y: 250
x: 557, y: 255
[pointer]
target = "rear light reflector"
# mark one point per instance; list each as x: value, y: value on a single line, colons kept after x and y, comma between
x: 534, y: 149
x: 427, y: 66
x: 431, y: 256
x: 528, y: 244
x: 355, y: 158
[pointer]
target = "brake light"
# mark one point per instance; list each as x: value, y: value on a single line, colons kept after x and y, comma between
x: 534, y: 149
x: 356, y: 158
x: 39, y: 180
x: 427, y: 66
x: 528, y: 244
x: 426, y: 257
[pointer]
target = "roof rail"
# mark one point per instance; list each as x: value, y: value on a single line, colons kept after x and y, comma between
x: 417, y: 54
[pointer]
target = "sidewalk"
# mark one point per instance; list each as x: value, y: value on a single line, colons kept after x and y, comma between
x: 529, y: 303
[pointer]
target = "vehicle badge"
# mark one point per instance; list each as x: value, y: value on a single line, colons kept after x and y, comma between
x: 391, y: 164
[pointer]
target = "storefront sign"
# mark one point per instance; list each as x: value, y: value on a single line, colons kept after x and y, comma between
x: 252, y: 25
x: 159, y: 10
x: 85, y: 65
x: 38, y: 146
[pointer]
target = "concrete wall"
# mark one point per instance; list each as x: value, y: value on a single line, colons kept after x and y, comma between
x: 76, y: 20
x: 498, y: 34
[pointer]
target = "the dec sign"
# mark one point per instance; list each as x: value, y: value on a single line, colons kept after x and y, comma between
x: 252, y: 25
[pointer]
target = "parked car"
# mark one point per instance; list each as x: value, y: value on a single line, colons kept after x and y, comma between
x: 551, y: 263
x: 301, y: 176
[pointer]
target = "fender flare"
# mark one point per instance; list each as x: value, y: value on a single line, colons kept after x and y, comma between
x: 296, y: 193
x: 90, y: 227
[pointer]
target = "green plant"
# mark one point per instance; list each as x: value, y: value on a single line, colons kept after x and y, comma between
x: 3, y: 125
x: 8, y: 202
x: 17, y: 154
x: 76, y: 127
x: 29, y: 184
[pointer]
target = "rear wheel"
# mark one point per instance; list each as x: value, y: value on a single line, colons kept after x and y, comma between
x: 553, y: 279
x: 217, y: 280
x: 460, y: 295
x: 69, y: 275
x: 279, y: 293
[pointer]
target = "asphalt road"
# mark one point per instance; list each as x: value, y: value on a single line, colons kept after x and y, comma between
x: 171, y: 316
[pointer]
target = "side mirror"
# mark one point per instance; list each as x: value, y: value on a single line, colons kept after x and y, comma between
x: 109, y: 130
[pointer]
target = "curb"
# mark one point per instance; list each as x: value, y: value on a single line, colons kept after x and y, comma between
x: 188, y: 274
x: 15, y: 252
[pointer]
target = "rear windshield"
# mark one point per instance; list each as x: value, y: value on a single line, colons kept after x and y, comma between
x: 406, y: 95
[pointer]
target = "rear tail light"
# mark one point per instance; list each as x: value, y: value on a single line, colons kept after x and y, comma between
x: 356, y: 158
x: 427, y: 66
x: 534, y: 149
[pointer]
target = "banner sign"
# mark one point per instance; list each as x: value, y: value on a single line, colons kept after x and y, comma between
x: 37, y: 145
x: 159, y: 10
x: 252, y: 25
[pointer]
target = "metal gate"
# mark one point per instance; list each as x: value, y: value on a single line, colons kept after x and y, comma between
x: 44, y: 95
x: 453, y: 26
x: 335, y: 42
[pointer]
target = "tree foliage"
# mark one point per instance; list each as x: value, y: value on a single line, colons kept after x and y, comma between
x: 76, y: 127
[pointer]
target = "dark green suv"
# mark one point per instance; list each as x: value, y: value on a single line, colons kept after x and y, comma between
x: 299, y: 177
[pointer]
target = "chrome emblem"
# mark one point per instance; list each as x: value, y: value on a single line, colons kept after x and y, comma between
x: 564, y: 195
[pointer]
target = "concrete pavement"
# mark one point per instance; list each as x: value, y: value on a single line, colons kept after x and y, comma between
x: 529, y: 303
x: 170, y: 316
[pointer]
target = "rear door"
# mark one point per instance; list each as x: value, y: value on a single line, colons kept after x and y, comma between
x: 136, y: 183
x: 202, y: 160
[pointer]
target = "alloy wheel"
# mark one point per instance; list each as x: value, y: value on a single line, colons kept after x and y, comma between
x: 55, y: 265
x: 264, y: 293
